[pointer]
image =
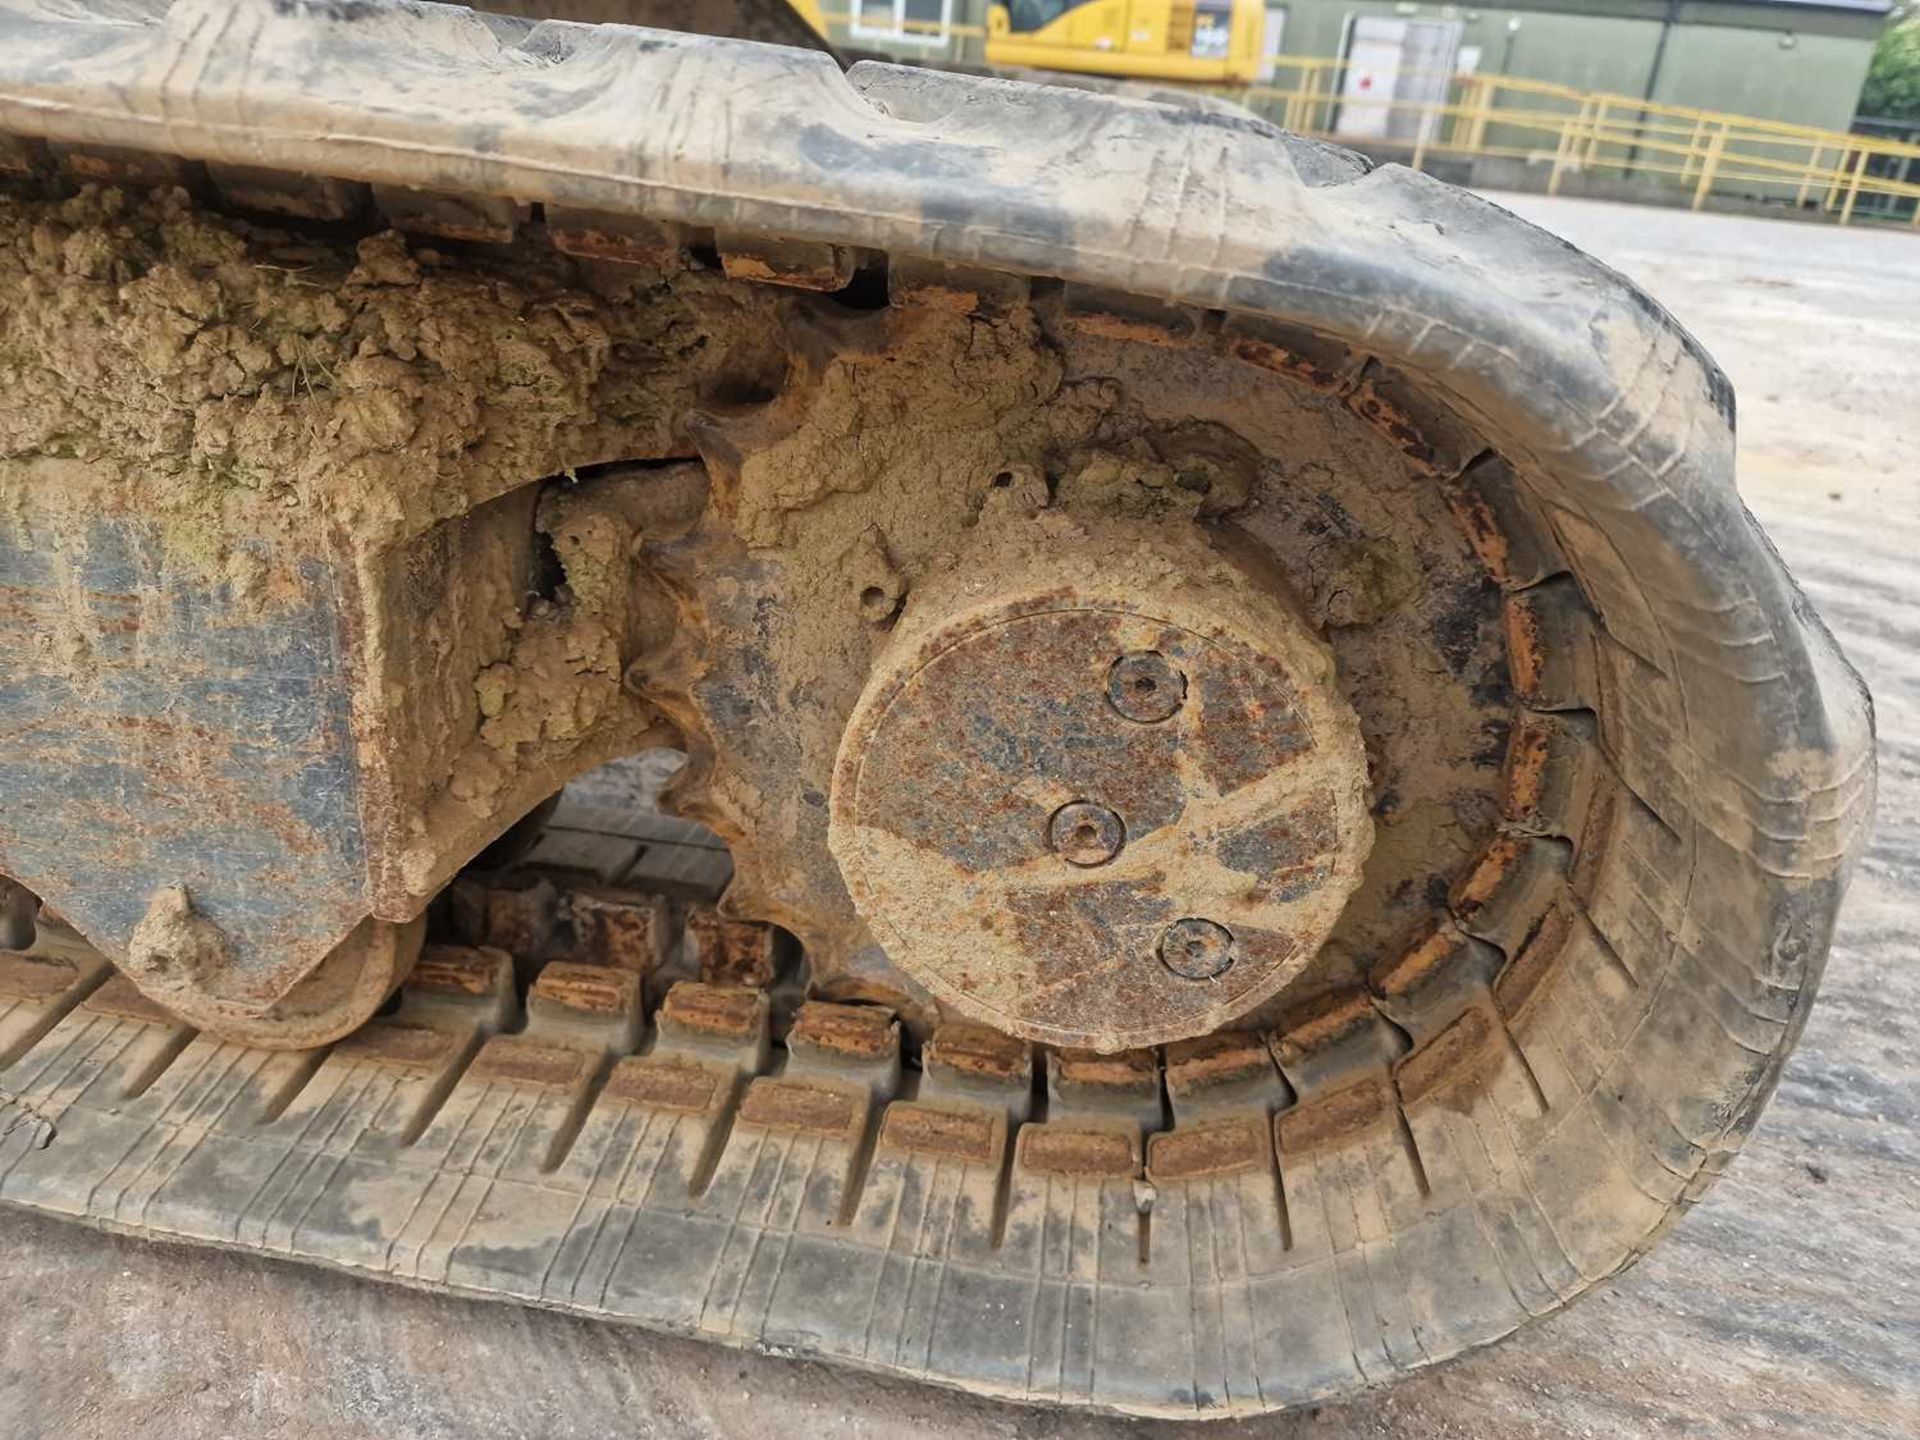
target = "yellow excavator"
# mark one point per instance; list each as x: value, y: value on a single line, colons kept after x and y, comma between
x: 1047, y: 740
x: 1197, y: 41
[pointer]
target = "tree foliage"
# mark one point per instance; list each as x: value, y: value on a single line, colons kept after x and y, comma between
x: 1893, y: 79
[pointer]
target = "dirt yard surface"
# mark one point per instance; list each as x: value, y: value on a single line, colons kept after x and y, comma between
x: 1787, y: 1304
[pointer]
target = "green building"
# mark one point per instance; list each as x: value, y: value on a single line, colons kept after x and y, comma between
x: 1801, y: 61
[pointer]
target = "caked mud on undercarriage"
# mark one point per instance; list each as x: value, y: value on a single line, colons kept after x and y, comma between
x: 1255, y: 811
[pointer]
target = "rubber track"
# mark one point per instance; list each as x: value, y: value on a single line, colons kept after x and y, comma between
x: 1304, y: 1232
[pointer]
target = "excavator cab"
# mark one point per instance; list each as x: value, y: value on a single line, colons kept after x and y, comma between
x: 1193, y: 41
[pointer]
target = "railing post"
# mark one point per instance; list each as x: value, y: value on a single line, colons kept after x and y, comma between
x: 1563, y: 152
x: 1482, y: 107
x: 1593, y: 135
x: 1853, y: 185
x: 1806, y: 185
x: 1710, y: 166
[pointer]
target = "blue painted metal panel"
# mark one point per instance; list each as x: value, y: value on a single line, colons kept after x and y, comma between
x: 155, y: 731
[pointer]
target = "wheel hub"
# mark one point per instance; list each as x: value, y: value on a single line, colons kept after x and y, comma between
x: 1101, y: 793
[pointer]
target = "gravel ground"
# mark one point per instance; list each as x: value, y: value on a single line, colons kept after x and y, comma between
x: 1787, y: 1304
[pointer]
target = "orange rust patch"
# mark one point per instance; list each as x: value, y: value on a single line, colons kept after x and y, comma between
x: 1520, y: 982
x: 859, y: 1032
x: 418, y: 1048
x: 799, y: 1105
x: 724, y: 1012
x: 1482, y: 529
x: 1497, y: 863
x: 979, y: 1052
x: 1269, y: 356
x: 1387, y: 415
x: 589, y: 989
x: 25, y: 978
x: 1428, y: 957
x: 1351, y: 1110
x: 1050, y: 1149
x: 1226, y: 1147
x: 1455, y: 1054
x: 732, y: 952
x: 122, y: 999
x: 514, y: 1060
x: 458, y: 970
x: 969, y: 1135
x: 623, y: 239
x: 1129, y: 1071
x: 1526, y: 644
x: 1174, y: 333
x: 800, y: 264
x: 664, y: 1084
x: 618, y: 928
x: 1229, y: 1058
x: 1524, y: 780
x: 1113, y: 316
x: 1323, y: 1021
x: 958, y: 290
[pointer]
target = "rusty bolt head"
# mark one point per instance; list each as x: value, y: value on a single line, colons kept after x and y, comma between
x: 1086, y: 834
x: 1196, y: 949
x: 1145, y: 687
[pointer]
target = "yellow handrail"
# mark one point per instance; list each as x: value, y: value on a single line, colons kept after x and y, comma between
x: 1570, y: 131
x: 1573, y: 132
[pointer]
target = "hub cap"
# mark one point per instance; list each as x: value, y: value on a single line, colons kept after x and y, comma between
x: 1102, y: 813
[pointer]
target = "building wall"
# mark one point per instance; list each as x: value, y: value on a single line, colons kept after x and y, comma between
x: 1816, y: 81
x: 1718, y: 57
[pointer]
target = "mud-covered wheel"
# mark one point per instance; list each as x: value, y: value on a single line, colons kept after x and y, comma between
x: 1252, y: 670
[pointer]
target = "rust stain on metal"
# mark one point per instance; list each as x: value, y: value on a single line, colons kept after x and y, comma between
x: 978, y: 1052
x: 1526, y: 644
x: 589, y: 989
x: 1055, y: 1149
x: 969, y: 1135
x: 664, y: 1084
x: 622, y: 239
x: 1113, y: 315
x: 1524, y: 778
x: 1482, y: 529
x: 1431, y: 955
x: 799, y: 264
x: 802, y: 1105
x: 956, y: 289
x: 1339, y: 1115
x: 1229, y: 1057
x: 1129, y: 1072
x: 857, y: 1032
x: 724, y: 1012
x: 1198, y: 1152
x: 515, y: 1060
x: 732, y: 952
x: 1497, y: 866
x: 520, y: 916
x: 622, y: 929
x: 1322, y: 1022
x: 459, y: 970
x: 1378, y: 410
